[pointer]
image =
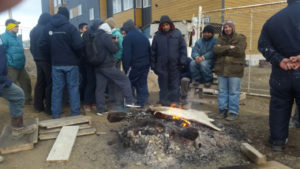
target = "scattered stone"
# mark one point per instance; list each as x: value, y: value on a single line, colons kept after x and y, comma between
x: 1, y: 159
x: 138, y: 163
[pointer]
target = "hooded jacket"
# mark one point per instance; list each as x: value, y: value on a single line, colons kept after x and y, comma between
x: 4, y: 80
x: 14, y: 50
x: 62, y: 41
x: 136, y: 48
x: 35, y: 35
x: 204, y: 48
x: 168, y: 48
x: 230, y: 62
x: 280, y: 36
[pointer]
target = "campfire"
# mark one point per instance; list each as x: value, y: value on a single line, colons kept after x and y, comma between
x: 166, y: 137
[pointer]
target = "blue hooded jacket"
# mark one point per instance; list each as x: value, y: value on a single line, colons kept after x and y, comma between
x: 14, y: 50
x: 280, y: 36
x: 204, y: 47
x: 4, y: 80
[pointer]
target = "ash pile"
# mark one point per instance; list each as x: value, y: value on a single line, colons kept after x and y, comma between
x: 162, y: 140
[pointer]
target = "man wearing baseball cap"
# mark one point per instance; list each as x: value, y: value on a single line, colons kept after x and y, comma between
x: 16, y: 58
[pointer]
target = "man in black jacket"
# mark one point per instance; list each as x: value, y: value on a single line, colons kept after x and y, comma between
x: 107, y: 46
x: 62, y: 40
x: 169, y: 54
x: 280, y: 44
x: 42, y: 91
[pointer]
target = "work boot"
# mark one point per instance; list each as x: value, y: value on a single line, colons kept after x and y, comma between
x: 18, y: 127
x: 207, y: 84
x: 232, y: 116
x: 222, y: 114
x: 278, y: 145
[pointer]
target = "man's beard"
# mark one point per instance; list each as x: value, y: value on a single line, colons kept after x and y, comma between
x: 207, y: 38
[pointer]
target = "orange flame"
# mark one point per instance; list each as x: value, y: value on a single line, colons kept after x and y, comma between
x: 185, y: 123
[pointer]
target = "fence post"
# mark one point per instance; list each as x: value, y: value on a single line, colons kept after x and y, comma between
x: 250, y: 49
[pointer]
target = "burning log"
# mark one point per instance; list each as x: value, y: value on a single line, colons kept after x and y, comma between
x: 116, y: 116
x: 189, y: 133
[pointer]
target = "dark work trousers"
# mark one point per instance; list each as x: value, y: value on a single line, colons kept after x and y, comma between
x: 284, y: 88
x: 43, y: 87
x: 103, y: 75
x: 90, y: 86
x: 169, y: 82
x: 82, y: 80
x: 138, y: 79
x: 114, y: 93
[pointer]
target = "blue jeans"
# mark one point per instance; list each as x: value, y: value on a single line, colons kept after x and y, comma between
x: 202, y: 72
x: 138, y: 79
x: 15, y: 96
x: 60, y: 76
x: 229, y: 94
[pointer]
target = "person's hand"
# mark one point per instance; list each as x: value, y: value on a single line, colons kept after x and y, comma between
x: 295, y: 59
x: 198, y: 60
x: 231, y: 47
x: 286, y: 64
x: 296, y: 65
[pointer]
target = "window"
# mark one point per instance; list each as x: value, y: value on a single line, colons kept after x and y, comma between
x: 147, y: 3
x: 58, y: 2
x: 71, y: 14
x: 138, y: 3
x: 79, y: 8
x: 117, y: 6
x: 127, y: 4
x: 55, y: 3
x: 92, y: 14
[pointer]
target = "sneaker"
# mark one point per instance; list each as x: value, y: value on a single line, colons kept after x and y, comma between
x: 222, y: 114
x: 195, y: 83
x: 102, y: 112
x: 87, y: 108
x: 132, y: 105
x: 294, y: 124
x: 207, y: 84
x: 278, y: 145
x: 232, y: 116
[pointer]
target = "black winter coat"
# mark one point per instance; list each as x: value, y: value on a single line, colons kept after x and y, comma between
x: 62, y: 40
x: 168, y: 50
x: 35, y: 36
x: 105, y: 49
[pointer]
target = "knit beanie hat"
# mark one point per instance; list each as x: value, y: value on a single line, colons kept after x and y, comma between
x: 209, y: 29
x: 229, y: 23
x: 106, y: 28
x: 64, y: 11
x: 111, y: 22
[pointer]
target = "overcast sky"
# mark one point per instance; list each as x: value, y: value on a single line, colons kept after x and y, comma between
x: 27, y: 12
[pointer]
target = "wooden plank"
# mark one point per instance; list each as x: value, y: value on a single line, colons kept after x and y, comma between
x: 55, y: 130
x: 65, y: 121
x: 193, y: 115
x: 81, y: 132
x: 273, y: 165
x: 63, y: 145
x: 253, y: 154
x: 11, y: 144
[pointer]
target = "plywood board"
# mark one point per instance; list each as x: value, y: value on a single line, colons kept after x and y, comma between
x: 273, y: 165
x: 12, y: 144
x: 253, y: 154
x: 63, y: 145
x: 193, y: 115
x: 81, y: 132
x: 65, y: 121
x: 56, y: 130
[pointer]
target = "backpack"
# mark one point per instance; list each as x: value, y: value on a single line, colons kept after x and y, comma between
x: 91, y: 49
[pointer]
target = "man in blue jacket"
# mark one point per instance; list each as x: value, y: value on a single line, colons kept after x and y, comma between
x: 16, y: 58
x: 42, y: 91
x: 279, y: 42
x: 169, y: 54
x: 63, y: 43
x: 204, y: 57
x: 136, y: 61
x: 14, y: 95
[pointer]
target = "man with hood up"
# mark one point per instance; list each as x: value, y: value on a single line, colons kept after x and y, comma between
x: 136, y: 61
x: 106, y: 46
x: 169, y: 54
x: 62, y: 40
x: 42, y: 91
x: 279, y: 43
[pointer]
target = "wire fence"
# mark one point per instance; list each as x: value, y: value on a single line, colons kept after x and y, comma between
x: 249, y: 21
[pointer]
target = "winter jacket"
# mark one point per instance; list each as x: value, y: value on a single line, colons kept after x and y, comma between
x: 204, y: 48
x: 4, y: 80
x: 105, y: 48
x: 280, y: 36
x: 116, y: 32
x: 62, y: 41
x: 35, y: 35
x: 137, y: 50
x: 230, y: 62
x: 168, y: 48
x: 14, y: 50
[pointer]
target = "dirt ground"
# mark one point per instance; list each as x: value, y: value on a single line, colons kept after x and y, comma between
x: 101, y: 151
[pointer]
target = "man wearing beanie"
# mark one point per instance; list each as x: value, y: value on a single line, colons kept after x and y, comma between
x: 229, y: 67
x: 63, y: 43
x: 16, y: 58
x: 204, y: 57
x: 279, y: 43
x: 169, y: 54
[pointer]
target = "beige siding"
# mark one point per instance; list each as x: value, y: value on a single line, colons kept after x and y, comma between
x: 103, y: 9
x: 121, y: 17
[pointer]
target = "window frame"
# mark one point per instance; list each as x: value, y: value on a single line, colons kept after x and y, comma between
x: 92, y: 13
x: 147, y: 3
x: 79, y: 12
x: 140, y: 2
x: 117, y: 9
x: 127, y: 2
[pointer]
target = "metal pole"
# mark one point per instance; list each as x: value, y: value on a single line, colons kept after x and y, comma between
x: 250, y: 49
x: 199, y: 22
x: 10, y: 13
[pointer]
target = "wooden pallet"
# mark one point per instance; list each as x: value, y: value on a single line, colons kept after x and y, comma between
x: 11, y: 144
x: 65, y: 121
